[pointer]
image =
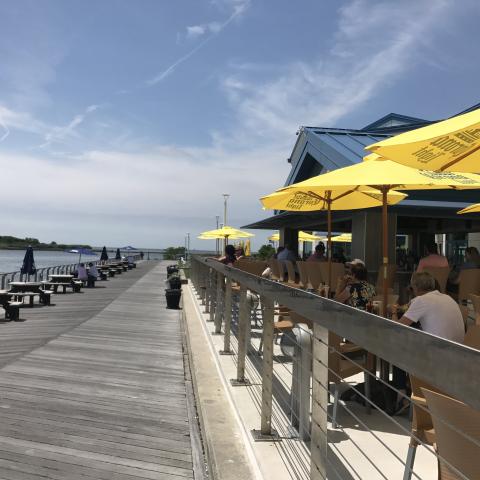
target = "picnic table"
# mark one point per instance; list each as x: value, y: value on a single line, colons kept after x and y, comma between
x: 63, y: 280
x: 22, y: 290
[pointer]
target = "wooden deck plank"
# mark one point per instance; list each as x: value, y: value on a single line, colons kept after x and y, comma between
x: 94, y: 387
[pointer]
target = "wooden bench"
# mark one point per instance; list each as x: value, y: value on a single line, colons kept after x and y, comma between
x: 49, y: 286
x: 19, y: 297
x: 12, y: 308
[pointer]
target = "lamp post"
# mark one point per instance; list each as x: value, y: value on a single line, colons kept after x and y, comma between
x: 225, y: 198
x: 217, y: 242
x: 187, y: 253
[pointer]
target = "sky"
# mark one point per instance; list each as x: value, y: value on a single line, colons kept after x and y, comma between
x: 123, y: 122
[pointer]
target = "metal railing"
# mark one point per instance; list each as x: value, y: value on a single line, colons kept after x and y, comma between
x: 304, y: 383
x: 44, y: 272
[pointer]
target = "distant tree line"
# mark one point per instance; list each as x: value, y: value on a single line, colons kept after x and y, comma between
x: 9, y: 242
x: 172, y: 253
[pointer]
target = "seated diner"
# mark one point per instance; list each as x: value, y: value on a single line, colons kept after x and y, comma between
x: 353, y: 289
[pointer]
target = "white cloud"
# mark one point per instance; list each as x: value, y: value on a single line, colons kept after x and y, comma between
x: 195, y: 31
x: 374, y: 44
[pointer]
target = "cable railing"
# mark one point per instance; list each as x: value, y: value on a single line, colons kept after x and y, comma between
x: 325, y: 349
x: 44, y: 272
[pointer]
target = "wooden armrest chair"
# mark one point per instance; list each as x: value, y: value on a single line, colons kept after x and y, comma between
x: 338, y: 271
x: 422, y: 425
x: 391, y: 271
x: 472, y: 337
x: 291, y: 278
x: 314, y: 274
x: 475, y: 299
x: 440, y: 274
x: 303, y: 274
x: 450, y: 417
x: 469, y: 282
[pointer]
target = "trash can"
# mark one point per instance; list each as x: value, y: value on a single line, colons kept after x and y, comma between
x: 175, y: 283
x: 172, y: 296
x: 171, y: 269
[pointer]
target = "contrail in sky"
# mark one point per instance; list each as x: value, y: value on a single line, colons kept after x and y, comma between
x: 161, y: 76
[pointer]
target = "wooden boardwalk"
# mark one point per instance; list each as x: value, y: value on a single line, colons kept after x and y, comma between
x: 94, y: 388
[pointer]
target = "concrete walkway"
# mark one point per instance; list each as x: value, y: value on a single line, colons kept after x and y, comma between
x: 105, y: 398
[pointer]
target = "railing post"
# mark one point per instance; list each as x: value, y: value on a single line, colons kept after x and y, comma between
x: 211, y: 293
x: 242, y: 334
x: 301, y: 374
x: 318, y: 446
x: 266, y: 432
x: 3, y: 281
x: 218, y: 304
x: 227, y: 315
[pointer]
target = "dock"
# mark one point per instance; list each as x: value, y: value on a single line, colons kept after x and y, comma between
x: 95, y: 386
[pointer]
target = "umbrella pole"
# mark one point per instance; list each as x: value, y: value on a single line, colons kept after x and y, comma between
x: 329, y: 243
x: 385, y: 250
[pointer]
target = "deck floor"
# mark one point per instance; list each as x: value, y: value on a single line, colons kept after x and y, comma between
x: 94, y: 387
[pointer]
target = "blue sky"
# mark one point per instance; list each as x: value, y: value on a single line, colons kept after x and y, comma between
x: 123, y: 122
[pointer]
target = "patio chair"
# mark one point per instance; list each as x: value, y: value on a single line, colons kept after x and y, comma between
x: 422, y: 425
x: 469, y: 282
x: 314, y: 275
x: 391, y: 271
x: 440, y: 274
x: 338, y: 271
x: 475, y: 299
x: 275, y: 274
x: 291, y: 278
x: 340, y: 368
x: 472, y: 337
x: 303, y: 274
x: 451, y: 418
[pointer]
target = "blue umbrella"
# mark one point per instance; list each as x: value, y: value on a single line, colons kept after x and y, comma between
x: 118, y: 256
x: 28, y: 267
x: 104, y: 255
x: 81, y: 251
x: 129, y: 248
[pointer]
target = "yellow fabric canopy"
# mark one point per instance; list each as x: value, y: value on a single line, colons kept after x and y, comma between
x: 343, y: 238
x: 470, y: 209
x: 224, y: 232
x: 302, y: 236
x: 342, y: 198
x: 450, y: 145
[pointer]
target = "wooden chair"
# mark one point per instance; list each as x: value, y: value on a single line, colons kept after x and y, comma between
x: 475, y: 299
x: 291, y: 274
x: 303, y: 274
x: 340, y: 368
x: 472, y: 337
x: 422, y: 425
x: 314, y: 274
x: 338, y: 271
x: 440, y: 274
x: 469, y: 282
x: 451, y: 418
x: 391, y: 271
x: 275, y: 267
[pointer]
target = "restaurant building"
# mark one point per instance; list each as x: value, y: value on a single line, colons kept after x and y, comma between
x: 424, y: 216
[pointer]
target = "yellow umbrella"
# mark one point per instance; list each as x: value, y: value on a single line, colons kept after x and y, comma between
x: 324, y: 191
x: 450, y: 145
x: 225, y: 232
x: 470, y: 209
x: 343, y: 238
x: 302, y: 236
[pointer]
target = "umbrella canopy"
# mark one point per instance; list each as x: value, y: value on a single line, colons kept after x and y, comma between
x: 450, y: 145
x: 302, y: 236
x: 323, y: 191
x: 343, y: 238
x: 129, y: 248
x: 81, y: 251
x: 28, y: 266
x: 470, y: 209
x: 104, y: 255
x: 224, y: 232
x: 118, y: 255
